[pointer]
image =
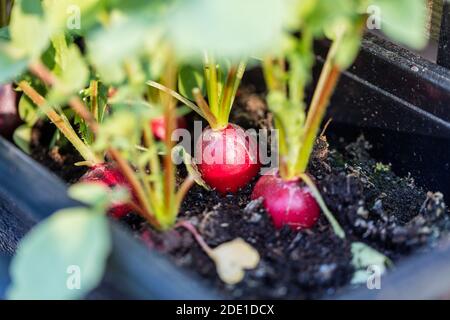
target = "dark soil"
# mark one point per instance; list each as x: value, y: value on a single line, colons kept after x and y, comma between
x: 373, y: 205
x: 60, y: 160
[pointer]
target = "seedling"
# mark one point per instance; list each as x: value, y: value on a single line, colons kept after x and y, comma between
x: 225, y: 156
x: 294, y: 205
x: 152, y: 181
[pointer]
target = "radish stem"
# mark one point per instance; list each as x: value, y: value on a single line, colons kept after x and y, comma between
x: 65, y: 127
x: 316, y: 193
x: 325, y: 89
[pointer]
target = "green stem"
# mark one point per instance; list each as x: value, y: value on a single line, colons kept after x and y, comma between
x: 181, y: 193
x: 331, y: 219
x: 236, y: 83
x: 43, y: 73
x: 203, y: 106
x: 175, y: 95
x: 325, y: 88
x: 212, y: 85
x: 94, y: 98
x: 136, y: 186
x: 170, y: 122
x: 226, y: 97
x: 155, y: 166
x: 63, y: 126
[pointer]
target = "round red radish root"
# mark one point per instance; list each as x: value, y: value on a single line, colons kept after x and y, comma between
x: 227, y: 159
x: 109, y: 176
x: 159, y: 126
x: 287, y: 202
x: 9, y: 117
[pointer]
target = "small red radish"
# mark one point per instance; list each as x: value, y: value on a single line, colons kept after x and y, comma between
x: 9, y: 117
x: 227, y: 159
x: 110, y: 176
x: 159, y: 126
x: 288, y: 202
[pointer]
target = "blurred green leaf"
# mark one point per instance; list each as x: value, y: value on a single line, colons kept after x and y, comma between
x: 4, y: 33
x: 189, y: 78
x: 121, y: 130
x: 123, y: 40
x: 97, y: 195
x: 90, y: 193
x: 63, y: 257
x: 73, y: 76
x: 404, y: 21
x: 70, y: 15
x: 28, y: 28
x: 28, y: 111
x: 10, y: 66
x: 229, y: 28
x: 22, y: 138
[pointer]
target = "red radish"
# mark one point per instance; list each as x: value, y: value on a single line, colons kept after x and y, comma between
x: 227, y: 159
x: 110, y: 176
x: 288, y: 202
x: 159, y: 126
x: 9, y: 117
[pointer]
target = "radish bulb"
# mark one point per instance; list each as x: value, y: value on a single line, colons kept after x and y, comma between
x: 109, y: 176
x: 158, y: 126
x: 227, y: 159
x: 288, y: 202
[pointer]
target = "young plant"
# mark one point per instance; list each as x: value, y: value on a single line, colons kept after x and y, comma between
x: 289, y: 193
x: 153, y: 185
x: 225, y: 156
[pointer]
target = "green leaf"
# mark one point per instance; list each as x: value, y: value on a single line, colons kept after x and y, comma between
x: 73, y: 76
x: 70, y: 15
x: 109, y: 48
x: 121, y: 130
x: 365, y: 256
x: 348, y: 50
x: 10, y: 65
x: 22, y: 138
x: 28, y: 29
x: 97, y: 195
x: 28, y: 111
x: 189, y: 78
x: 191, y: 167
x: 73, y: 244
x: 4, y: 33
x: 90, y: 193
x: 230, y: 28
x: 404, y: 21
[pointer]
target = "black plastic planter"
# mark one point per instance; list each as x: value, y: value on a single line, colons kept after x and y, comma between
x: 398, y: 100
x: 29, y: 193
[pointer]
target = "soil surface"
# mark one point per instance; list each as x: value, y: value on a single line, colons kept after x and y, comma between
x: 372, y: 204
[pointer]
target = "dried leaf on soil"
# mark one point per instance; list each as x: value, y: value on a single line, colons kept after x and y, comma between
x: 232, y: 258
